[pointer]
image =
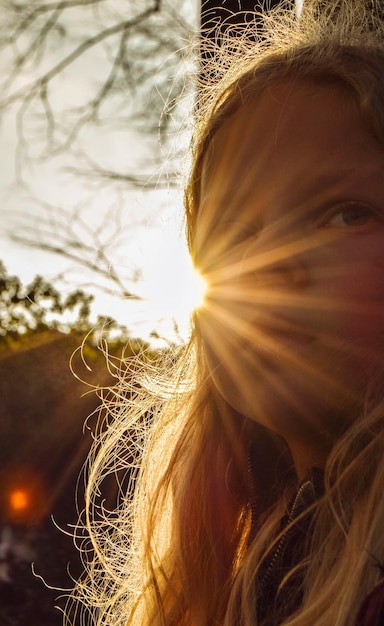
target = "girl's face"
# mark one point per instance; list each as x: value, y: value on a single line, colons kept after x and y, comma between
x: 290, y: 233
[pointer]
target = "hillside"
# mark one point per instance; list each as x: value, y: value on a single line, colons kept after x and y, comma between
x: 43, y: 447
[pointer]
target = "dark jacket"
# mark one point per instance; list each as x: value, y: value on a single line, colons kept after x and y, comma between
x: 274, y: 606
x: 371, y: 612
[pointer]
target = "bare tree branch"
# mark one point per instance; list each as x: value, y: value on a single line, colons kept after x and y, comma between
x: 141, y: 61
x: 157, y: 180
x: 69, y: 235
x: 37, y: 85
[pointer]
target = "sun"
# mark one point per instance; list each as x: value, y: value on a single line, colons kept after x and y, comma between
x: 172, y: 287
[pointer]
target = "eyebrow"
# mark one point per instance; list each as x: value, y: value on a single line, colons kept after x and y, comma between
x: 335, y: 181
x: 328, y: 179
x: 339, y: 175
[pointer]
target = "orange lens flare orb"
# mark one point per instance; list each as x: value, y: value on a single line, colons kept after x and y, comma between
x: 19, y: 500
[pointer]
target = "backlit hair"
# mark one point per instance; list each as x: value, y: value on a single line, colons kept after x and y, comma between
x: 176, y: 552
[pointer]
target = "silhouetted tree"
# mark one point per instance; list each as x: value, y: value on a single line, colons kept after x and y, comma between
x: 39, y: 306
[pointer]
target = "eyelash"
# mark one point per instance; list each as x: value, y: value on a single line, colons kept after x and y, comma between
x: 368, y: 212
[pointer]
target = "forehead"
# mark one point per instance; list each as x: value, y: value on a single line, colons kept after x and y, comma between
x: 294, y: 137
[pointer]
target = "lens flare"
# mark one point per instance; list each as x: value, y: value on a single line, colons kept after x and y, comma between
x: 27, y: 498
x: 19, y: 500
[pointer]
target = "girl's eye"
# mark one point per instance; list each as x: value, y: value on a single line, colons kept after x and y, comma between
x: 349, y: 215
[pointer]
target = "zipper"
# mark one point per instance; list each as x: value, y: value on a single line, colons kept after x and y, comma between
x: 283, y: 540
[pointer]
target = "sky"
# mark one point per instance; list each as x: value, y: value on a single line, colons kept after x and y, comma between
x: 143, y: 226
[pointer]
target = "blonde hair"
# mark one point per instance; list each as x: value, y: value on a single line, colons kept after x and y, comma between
x: 177, y: 551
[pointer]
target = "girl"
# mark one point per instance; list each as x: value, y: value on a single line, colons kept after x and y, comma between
x: 260, y: 495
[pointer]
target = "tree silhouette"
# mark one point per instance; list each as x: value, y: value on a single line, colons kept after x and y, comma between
x: 39, y: 306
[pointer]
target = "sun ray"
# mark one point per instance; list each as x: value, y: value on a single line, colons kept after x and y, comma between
x: 228, y: 333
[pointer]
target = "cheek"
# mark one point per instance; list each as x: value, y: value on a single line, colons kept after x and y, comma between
x: 348, y: 350
x: 357, y: 319
x: 231, y: 371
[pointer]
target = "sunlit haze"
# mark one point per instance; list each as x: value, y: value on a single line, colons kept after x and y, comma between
x: 172, y: 288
